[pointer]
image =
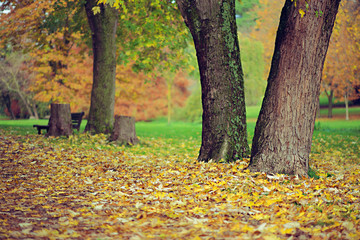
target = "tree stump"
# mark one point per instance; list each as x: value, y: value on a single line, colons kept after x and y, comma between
x: 60, y: 120
x: 124, y: 131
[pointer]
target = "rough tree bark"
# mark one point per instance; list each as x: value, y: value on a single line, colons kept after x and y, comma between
x: 283, y: 133
x: 103, y: 28
x: 124, y: 131
x: 213, y: 28
x: 60, y: 120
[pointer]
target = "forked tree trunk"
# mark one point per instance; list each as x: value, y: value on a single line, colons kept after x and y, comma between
x: 103, y: 28
x: 35, y: 111
x: 124, y: 131
x: 283, y: 133
x: 213, y: 28
x: 60, y: 120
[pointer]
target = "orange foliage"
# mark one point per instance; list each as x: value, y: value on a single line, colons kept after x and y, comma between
x: 62, y: 65
x: 20, y: 26
x: 70, y: 84
x: 341, y: 70
x: 56, y: 49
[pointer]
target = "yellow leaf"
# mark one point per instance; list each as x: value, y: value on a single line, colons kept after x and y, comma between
x: 261, y: 216
x: 96, y: 10
x: 247, y: 228
x: 286, y: 231
x: 302, y: 13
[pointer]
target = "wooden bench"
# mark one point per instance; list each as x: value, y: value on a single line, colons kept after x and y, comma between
x: 76, y: 119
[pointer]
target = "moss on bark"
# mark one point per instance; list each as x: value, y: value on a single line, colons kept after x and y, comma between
x: 213, y: 27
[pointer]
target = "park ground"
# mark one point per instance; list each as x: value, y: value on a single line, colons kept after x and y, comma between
x: 84, y: 187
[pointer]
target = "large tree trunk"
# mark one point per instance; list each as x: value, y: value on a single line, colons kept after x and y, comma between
x: 213, y: 28
x: 103, y: 28
x: 60, y: 120
x: 283, y: 133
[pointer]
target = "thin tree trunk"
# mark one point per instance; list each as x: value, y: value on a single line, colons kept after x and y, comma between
x: 330, y: 103
x: 213, y: 28
x: 35, y: 111
x: 346, y: 107
x: 283, y: 133
x: 103, y: 28
x: 7, y: 100
x: 27, y: 104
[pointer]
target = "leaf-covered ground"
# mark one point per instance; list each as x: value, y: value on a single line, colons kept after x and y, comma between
x: 84, y: 188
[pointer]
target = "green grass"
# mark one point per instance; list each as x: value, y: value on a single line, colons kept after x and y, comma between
x: 181, y: 130
x: 185, y: 138
x: 252, y: 112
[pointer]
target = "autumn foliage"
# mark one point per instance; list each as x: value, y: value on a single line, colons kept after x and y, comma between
x: 56, y: 36
x: 341, y: 70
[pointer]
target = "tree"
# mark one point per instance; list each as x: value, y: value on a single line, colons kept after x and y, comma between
x: 213, y: 28
x: 57, y: 37
x: 341, y: 65
x: 284, y: 129
x: 145, y: 98
x: 146, y: 44
x: 14, y: 80
x: 52, y: 33
x: 103, y: 27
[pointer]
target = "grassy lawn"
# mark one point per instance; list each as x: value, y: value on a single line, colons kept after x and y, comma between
x: 182, y: 130
x: 185, y: 138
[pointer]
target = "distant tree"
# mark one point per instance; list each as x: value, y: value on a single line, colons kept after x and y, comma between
x: 146, y: 100
x: 14, y: 82
x: 56, y: 34
x: 213, y: 28
x: 51, y: 33
x: 284, y: 129
x: 340, y: 75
